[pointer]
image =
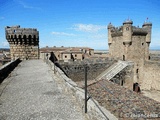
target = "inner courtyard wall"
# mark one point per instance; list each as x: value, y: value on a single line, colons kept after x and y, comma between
x: 151, y: 76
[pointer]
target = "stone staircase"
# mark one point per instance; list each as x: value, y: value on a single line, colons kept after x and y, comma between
x: 113, y: 70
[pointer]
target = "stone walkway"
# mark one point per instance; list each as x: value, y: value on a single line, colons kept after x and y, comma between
x: 30, y: 93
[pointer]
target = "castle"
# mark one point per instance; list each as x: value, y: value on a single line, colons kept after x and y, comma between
x: 127, y: 43
x: 130, y: 43
x: 24, y: 42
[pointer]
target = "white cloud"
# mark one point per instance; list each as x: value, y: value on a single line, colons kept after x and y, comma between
x: 5, y: 44
x: 62, y: 34
x: 99, y: 36
x: 89, y: 27
x: 25, y: 5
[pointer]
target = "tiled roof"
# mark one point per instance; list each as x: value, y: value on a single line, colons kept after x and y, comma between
x: 123, y: 102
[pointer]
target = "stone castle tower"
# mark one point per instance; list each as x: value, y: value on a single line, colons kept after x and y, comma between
x: 130, y: 43
x: 24, y: 42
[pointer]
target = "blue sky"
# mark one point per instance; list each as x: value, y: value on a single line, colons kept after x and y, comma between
x: 77, y: 22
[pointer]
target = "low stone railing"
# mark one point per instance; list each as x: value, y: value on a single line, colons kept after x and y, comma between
x: 95, y: 111
x: 6, y: 69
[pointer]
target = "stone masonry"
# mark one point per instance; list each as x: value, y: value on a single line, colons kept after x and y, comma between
x: 24, y: 42
x: 75, y: 70
x: 131, y: 43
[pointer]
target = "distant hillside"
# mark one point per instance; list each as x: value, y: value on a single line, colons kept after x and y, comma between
x: 4, y: 49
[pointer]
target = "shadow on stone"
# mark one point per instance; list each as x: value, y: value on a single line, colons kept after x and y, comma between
x: 7, y: 69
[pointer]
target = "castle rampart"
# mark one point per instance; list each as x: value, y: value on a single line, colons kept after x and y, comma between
x: 24, y: 42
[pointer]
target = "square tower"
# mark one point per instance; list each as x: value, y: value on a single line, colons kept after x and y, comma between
x: 24, y: 42
x: 130, y: 43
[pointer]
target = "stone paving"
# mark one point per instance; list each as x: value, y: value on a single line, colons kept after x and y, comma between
x: 31, y: 93
x: 124, y: 103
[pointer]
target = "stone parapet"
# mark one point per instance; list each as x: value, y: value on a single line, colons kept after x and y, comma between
x: 7, y: 68
x: 139, y: 31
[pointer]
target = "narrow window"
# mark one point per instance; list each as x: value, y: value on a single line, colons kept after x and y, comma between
x: 130, y: 43
x: 122, y: 82
x: 149, y: 58
x: 137, y: 70
x: 124, y: 57
x: 65, y: 56
x: 127, y: 28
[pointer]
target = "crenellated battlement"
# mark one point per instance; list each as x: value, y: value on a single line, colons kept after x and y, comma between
x: 24, y: 42
x: 118, y: 31
x: 139, y: 31
x: 17, y: 32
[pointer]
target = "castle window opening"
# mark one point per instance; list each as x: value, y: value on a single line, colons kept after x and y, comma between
x: 124, y: 57
x: 75, y: 55
x: 130, y: 43
x: 137, y: 70
x: 65, y: 56
x: 122, y: 82
x: 142, y: 43
x: 127, y: 28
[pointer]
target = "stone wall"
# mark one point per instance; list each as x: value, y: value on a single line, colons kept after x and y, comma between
x: 24, y: 52
x: 116, y: 49
x: 151, y: 76
x: 7, y: 68
x: 75, y: 70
